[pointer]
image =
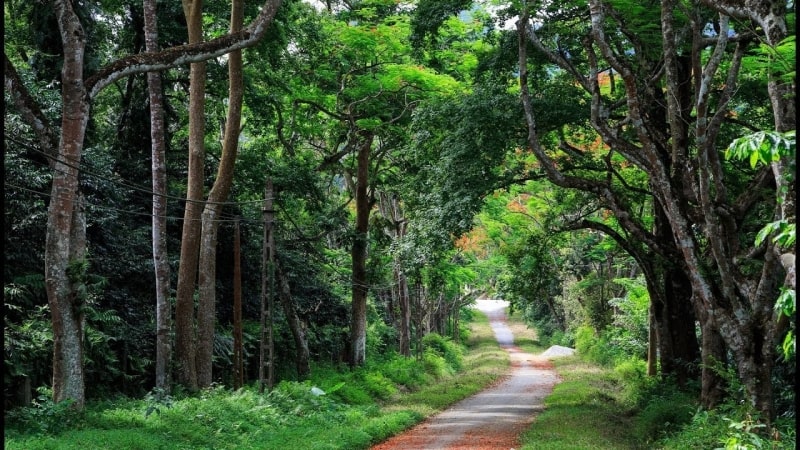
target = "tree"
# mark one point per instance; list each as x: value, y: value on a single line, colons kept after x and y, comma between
x: 213, y: 208
x: 159, y: 169
x: 64, y: 248
x: 186, y: 339
x: 706, y: 211
x: 365, y: 93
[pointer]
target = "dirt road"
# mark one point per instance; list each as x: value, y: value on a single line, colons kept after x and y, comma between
x: 491, y: 419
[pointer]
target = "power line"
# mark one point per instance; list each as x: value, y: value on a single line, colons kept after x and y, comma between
x: 230, y: 218
x: 124, y: 184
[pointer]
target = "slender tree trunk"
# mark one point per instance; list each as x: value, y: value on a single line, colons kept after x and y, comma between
x: 358, y: 324
x: 302, y: 354
x: 405, y: 314
x: 206, y: 311
x: 238, y: 347
x: 185, y: 339
x: 65, y: 240
x: 652, y: 342
x: 390, y: 209
x: 266, y: 349
x: 159, y: 174
x: 714, y: 357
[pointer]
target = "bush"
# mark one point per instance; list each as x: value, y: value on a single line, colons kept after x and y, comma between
x: 434, y: 364
x: 731, y: 427
x: 44, y: 415
x: 632, y: 374
x: 405, y: 371
x: 452, y: 353
x: 665, y: 413
x: 378, y: 385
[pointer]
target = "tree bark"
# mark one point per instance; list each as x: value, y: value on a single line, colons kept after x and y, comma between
x: 206, y: 312
x: 238, y: 338
x: 302, y: 355
x: 65, y: 240
x: 358, y: 324
x: 185, y: 337
x: 159, y: 174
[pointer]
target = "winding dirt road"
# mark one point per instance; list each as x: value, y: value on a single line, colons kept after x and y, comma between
x: 494, y: 418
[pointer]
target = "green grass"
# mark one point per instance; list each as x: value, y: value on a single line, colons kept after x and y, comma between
x: 591, y: 408
x: 596, y: 407
x: 361, y: 408
x: 581, y: 413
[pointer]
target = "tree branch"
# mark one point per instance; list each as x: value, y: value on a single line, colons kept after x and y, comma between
x: 184, y: 54
x: 29, y: 109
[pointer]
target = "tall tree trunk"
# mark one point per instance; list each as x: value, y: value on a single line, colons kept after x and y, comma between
x: 238, y: 344
x: 405, y: 314
x: 266, y: 348
x: 390, y: 209
x: 302, y: 354
x: 65, y: 241
x: 159, y: 174
x: 680, y: 351
x: 714, y: 357
x: 206, y: 310
x: 358, y: 324
x: 185, y: 339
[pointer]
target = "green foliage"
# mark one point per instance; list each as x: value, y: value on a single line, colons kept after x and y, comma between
x: 762, y: 147
x: 156, y: 400
x: 766, y: 147
x: 729, y: 427
x: 44, y: 416
x: 311, y: 414
x: 773, y: 62
x: 632, y: 375
x: 593, y: 347
x: 629, y: 332
x: 446, y: 348
x: 407, y: 373
x: 665, y: 410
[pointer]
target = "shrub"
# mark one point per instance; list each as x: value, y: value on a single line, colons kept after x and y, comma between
x: 445, y: 348
x: 378, y: 385
x: 44, y: 415
x: 407, y: 372
x: 663, y: 414
x: 434, y: 364
x: 632, y: 374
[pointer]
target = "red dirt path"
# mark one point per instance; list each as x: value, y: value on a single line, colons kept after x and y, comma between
x: 494, y: 418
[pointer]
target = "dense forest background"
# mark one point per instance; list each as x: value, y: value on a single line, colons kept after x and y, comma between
x: 310, y: 183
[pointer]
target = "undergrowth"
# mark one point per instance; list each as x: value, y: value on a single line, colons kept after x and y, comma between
x: 337, y: 408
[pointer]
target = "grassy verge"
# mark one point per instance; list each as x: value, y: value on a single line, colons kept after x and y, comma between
x: 359, y: 408
x: 598, y: 407
x: 581, y: 413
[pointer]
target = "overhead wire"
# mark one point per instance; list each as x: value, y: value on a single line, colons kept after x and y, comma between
x: 225, y: 217
x: 124, y: 183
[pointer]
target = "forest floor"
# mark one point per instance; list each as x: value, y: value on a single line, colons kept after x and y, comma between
x: 494, y: 418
